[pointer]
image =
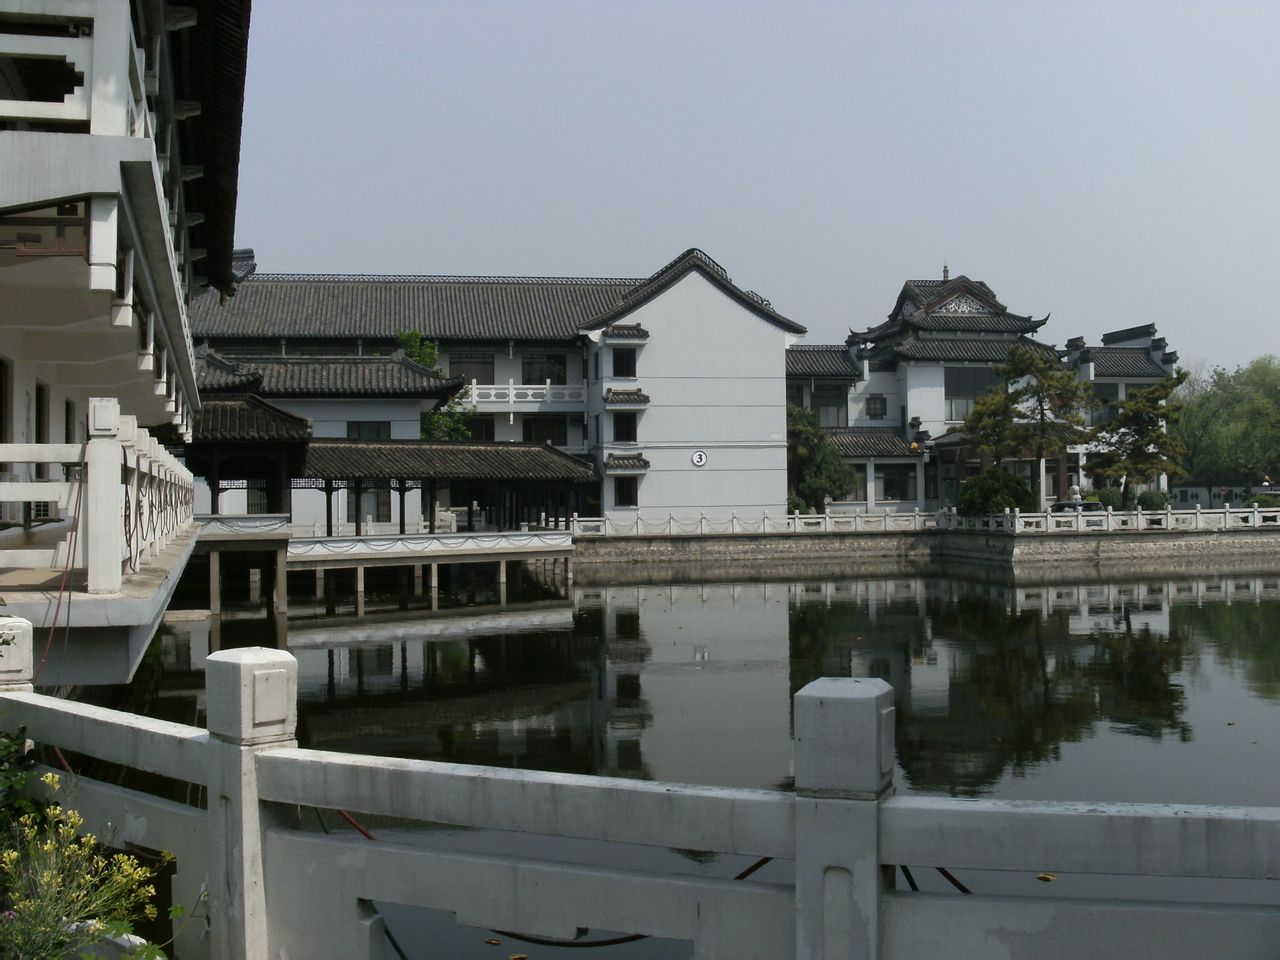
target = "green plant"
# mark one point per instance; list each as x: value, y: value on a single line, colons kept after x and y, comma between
x: 452, y: 421
x: 994, y: 492
x: 60, y: 892
x: 1153, y: 500
x: 815, y: 470
x: 1111, y: 497
x: 1263, y: 500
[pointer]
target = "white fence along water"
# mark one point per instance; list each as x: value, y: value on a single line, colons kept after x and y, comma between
x: 1010, y: 521
x: 277, y: 890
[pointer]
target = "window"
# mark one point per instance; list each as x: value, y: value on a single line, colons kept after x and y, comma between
x: 626, y: 491
x: 69, y: 422
x: 472, y: 366
x: 541, y: 367
x: 624, y: 427
x: 963, y: 385
x: 831, y: 401
x: 595, y: 365
x: 255, y: 495
x: 795, y: 394
x: 481, y: 427
x: 368, y: 429
x: 896, y: 481
x: 374, y: 502
x: 877, y: 407
x: 553, y: 430
x: 624, y: 361
x: 1104, y: 396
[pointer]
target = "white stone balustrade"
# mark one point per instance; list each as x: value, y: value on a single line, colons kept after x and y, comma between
x: 121, y: 499
x: 276, y: 890
x: 526, y: 397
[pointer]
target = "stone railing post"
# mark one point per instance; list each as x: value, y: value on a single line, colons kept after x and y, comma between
x: 844, y: 756
x: 17, y: 666
x: 252, y: 698
x: 104, y: 498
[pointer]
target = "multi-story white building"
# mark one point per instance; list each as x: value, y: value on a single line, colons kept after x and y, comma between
x: 614, y: 370
x: 119, y: 152
x: 895, y: 396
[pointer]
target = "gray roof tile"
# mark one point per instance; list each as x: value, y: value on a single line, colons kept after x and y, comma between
x: 820, y: 360
x: 634, y: 398
x: 618, y: 462
x: 959, y: 349
x: 413, y: 459
x: 247, y: 418
x: 871, y: 442
x: 1124, y: 362
x: 370, y: 376
x: 379, y: 307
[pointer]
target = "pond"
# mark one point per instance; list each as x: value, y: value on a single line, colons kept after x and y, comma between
x: 1144, y: 690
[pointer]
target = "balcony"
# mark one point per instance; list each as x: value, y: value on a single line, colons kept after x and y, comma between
x: 94, y: 221
x: 512, y: 397
x: 103, y: 529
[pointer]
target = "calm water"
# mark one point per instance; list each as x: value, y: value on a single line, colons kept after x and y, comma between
x: 1150, y: 690
x: 1144, y: 690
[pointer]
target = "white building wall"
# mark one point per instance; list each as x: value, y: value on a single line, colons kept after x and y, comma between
x: 715, y: 374
x: 884, y: 383
x: 926, y: 396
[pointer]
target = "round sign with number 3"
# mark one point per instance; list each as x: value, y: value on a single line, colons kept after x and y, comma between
x: 699, y: 458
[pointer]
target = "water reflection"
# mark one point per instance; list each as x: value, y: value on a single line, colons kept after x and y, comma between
x: 1106, y: 691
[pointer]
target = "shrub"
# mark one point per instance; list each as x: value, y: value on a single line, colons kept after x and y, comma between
x: 60, y: 893
x: 1263, y: 500
x: 1153, y: 500
x: 994, y: 492
x: 1109, y: 497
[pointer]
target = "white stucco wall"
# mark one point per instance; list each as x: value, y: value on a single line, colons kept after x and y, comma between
x: 926, y: 396
x: 715, y: 373
x: 884, y: 383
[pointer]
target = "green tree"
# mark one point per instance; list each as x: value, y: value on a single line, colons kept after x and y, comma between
x: 1230, y: 423
x: 990, y: 425
x: 1050, y: 399
x: 1035, y: 410
x: 994, y: 492
x: 1135, y: 443
x: 814, y: 468
x: 450, y: 421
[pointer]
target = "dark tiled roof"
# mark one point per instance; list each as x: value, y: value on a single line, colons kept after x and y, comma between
x: 247, y: 418
x: 820, y: 360
x: 414, y: 459
x: 211, y: 72
x: 625, y: 461
x: 1065, y: 434
x: 995, y: 322
x: 691, y: 260
x: 393, y: 376
x: 871, y: 442
x: 626, y: 397
x: 1129, y: 333
x: 379, y: 307
x: 626, y: 331
x: 243, y: 264
x: 958, y: 349
x: 1124, y: 362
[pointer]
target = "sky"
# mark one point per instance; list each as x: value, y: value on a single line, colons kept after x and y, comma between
x: 1109, y: 163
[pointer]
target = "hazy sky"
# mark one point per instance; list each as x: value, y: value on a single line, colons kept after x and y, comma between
x: 1112, y: 163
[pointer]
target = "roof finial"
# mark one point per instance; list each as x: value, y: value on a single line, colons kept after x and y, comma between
x: 946, y: 271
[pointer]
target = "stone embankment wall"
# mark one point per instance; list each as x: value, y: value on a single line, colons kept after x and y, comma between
x: 947, y: 551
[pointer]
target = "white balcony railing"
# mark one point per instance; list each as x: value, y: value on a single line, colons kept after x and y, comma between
x: 117, y: 501
x: 516, y: 397
x: 105, y: 68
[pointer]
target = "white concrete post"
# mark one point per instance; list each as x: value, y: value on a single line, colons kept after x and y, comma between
x: 17, y: 665
x: 871, y: 484
x: 252, y: 706
x: 104, y: 498
x: 844, y: 755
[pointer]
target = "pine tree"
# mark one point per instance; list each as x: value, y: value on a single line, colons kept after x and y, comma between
x: 1136, y: 442
x: 815, y: 470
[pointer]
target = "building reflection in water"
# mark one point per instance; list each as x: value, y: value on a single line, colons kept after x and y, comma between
x: 693, y: 682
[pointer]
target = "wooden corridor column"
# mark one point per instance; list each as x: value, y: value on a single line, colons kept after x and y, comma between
x: 328, y: 508
x: 359, y: 497
x: 433, y: 506
x: 400, y: 485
